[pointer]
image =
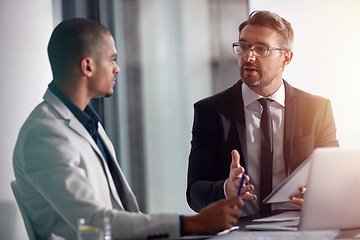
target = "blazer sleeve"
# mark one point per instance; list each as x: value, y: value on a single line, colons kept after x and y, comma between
x: 326, y: 136
x: 205, y: 183
x: 62, y: 180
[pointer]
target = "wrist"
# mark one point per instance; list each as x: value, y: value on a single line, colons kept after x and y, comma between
x: 191, y: 226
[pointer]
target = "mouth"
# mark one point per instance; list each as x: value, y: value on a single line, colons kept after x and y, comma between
x: 250, y: 69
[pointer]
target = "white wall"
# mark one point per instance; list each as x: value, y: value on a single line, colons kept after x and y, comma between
x: 326, y: 53
x: 25, y: 28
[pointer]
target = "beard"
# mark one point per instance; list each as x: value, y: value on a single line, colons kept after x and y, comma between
x: 254, y: 78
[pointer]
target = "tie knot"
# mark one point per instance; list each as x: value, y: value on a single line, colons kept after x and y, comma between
x: 265, y: 102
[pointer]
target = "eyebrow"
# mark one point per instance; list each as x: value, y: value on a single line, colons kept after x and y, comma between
x: 243, y: 40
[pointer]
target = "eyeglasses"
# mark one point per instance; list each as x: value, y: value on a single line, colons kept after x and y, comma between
x: 259, y: 50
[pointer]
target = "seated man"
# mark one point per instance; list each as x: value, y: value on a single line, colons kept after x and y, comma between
x: 64, y: 163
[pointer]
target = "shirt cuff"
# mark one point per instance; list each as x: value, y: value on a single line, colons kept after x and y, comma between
x: 225, y: 189
x: 182, y: 233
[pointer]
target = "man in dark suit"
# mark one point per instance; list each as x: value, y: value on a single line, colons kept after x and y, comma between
x: 226, y: 135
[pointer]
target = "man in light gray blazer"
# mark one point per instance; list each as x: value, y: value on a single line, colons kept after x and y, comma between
x: 64, y: 163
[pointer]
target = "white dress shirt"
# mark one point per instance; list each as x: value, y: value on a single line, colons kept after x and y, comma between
x: 253, y: 111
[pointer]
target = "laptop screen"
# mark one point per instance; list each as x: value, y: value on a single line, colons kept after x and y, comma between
x: 332, y: 198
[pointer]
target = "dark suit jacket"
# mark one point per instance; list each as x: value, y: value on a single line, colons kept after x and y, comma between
x: 219, y: 127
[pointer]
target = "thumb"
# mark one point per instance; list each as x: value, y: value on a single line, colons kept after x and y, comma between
x: 235, y: 156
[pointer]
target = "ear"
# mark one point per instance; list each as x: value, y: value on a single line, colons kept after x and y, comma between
x: 287, y: 58
x: 87, y: 66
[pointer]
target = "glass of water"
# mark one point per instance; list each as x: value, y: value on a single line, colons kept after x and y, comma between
x: 100, y: 230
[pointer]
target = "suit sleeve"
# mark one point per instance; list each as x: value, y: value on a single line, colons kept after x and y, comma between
x: 326, y: 136
x: 205, y: 183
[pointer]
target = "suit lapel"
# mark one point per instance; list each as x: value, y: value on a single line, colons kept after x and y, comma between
x: 238, y: 110
x: 290, y: 111
x: 76, y: 126
x: 127, y: 196
x: 81, y: 130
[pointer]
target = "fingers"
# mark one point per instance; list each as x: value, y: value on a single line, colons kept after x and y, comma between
x: 232, y: 183
x: 302, y: 189
x: 235, y: 156
x: 235, y: 168
x: 246, y: 193
x: 249, y: 196
x: 235, y: 201
x: 297, y: 202
x: 298, y: 199
x: 236, y: 173
x: 215, y: 217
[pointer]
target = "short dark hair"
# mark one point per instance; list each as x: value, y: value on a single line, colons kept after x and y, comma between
x: 273, y: 21
x: 71, y: 40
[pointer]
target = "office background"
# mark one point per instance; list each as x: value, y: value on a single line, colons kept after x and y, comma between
x: 171, y: 54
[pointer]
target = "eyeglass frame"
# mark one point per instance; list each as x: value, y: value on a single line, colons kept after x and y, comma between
x: 250, y: 46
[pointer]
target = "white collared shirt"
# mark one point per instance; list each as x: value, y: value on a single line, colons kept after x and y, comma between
x: 253, y: 110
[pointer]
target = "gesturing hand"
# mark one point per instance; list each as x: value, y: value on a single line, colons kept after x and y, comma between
x: 233, y: 181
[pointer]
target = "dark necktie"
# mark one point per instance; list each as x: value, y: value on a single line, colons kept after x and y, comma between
x: 266, y: 162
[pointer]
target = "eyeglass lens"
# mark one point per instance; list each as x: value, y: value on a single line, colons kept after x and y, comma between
x: 257, y: 50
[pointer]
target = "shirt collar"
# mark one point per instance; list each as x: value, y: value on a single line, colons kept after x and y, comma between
x: 88, y: 117
x: 249, y: 96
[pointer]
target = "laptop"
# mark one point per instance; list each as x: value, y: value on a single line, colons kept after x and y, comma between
x: 332, y: 198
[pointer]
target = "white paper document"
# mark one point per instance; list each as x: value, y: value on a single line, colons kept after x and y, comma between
x: 270, y: 235
x: 285, y: 216
x: 286, y: 221
x: 292, y: 225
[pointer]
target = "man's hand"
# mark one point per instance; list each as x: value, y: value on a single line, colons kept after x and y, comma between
x: 297, y: 200
x: 233, y: 182
x: 215, y: 217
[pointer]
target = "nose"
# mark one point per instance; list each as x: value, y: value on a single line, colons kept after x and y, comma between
x: 117, y: 69
x: 249, y: 55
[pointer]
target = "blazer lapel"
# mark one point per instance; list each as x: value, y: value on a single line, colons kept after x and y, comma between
x: 81, y: 130
x: 127, y: 196
x: 238, y: 110
x: 76, y: 126
x: 290, y: 111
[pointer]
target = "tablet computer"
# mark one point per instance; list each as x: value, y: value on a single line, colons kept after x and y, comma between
x: 290, y: 186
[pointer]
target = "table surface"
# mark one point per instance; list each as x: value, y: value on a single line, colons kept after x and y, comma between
x: 248, y: 220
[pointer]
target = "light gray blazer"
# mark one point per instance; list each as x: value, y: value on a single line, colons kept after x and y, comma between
x: 58, y: 169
